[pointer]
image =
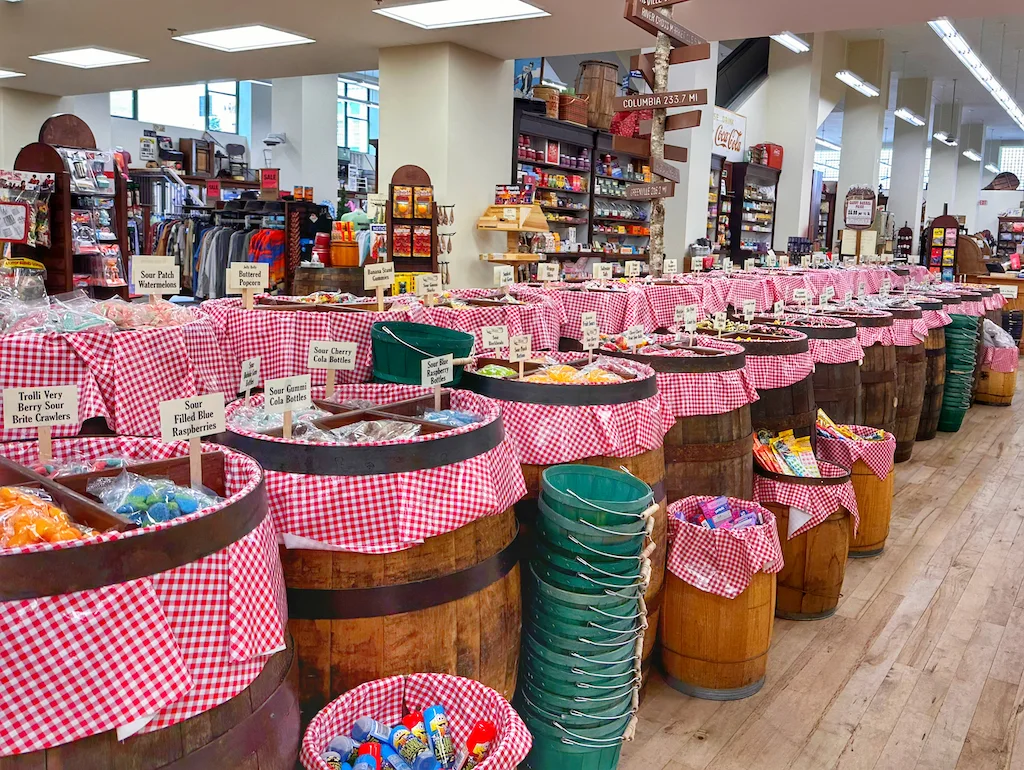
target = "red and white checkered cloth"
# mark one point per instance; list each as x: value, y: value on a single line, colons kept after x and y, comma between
x: 281, y: 338
x: 121, y: 376
x: 873, y: 277
x: 997, y: 301
x: 842, y: 351
x: 465, y: 702
x: 877, y: 455
x: 935, y: 319
x: 665, y: 299
x: 819, y: 502
x: 539, y: 318
x: 394, y: 511
x: 841, y: 281
x: 1003, y: 360
x: 609, y: 306
x: 971, y: 307
x: 919, y: 274
x: 784, y: 284
x: 546, y: 435
x: 767, y: 372
x: 908, y: 332
x: 722, y: 292
x: 688, y: 395
x: 162, y: 648
x: 721, y: 561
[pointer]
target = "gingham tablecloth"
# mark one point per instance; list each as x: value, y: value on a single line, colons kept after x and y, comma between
x: 281, y: 338
x: 975, y: 308
x: 767, y: 372
x: 688, y: 395
x: 1003, y: 360
x: 609, y: 306
x: 919, y: 274
x: 721, y: 292
x: 465, y: 702
x: 908, y: 332
x: 785, y: 284
x: 935, y: 319
x: 877, y: 455
x: 841, y: 351
x: 393, y: 511
x: 547, y: 435
x: 819, y: 502
x: 721, y: 561
x: 162, y: 648
x: 994, y: 302
x: 539, y: 318
x: 665, y: 299
x: 121, y: 376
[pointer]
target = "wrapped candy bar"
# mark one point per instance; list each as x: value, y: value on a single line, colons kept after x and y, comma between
x: 149, y: 501
x: 829, y: 429
x: 29, y: 517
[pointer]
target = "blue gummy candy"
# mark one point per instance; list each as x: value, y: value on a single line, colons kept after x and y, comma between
x: 160, y: 512
x: 125, y: 509
x: 142, y: 490
x: 187, y: 504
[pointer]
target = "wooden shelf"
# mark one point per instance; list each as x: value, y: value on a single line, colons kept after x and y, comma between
x: 529, y: 219
x: 511, y: 258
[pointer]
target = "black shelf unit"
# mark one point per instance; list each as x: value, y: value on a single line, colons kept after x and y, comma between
x: 742, y: 176
x: 1006, y: 247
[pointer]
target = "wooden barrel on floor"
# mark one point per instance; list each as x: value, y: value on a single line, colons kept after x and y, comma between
x: 935, y: 372
x: 995, y: 315
x: 713, y: 647
x: 877, y: 404
x: 335, y: 279
x: 911, y: 378
x: 811, y: 580
x: 874, y: 506
x: 836, y: 386
x: 647, y: 466
x: 996, y: 388
x: 450, y: 605
x: 708, y: 454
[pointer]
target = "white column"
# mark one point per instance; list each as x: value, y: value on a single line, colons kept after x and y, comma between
x: 21, y: 115
x: 448, y: 110
x: 794, y: 91
x: 306, y: 109
x: 968, y: 173
x: 945, y: 160
x: 94, y: 109
x: 863, y: 121
x: 686, y: 214
x: 909, y: 145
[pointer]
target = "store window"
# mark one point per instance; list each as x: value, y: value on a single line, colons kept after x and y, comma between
x: 1012, y: 159
x: 200, y: 106
x: 358, y: 115
x: 827, y: 162
x: 885, y: 168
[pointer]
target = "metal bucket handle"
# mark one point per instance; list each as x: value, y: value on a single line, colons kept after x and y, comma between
x: 602, y: 553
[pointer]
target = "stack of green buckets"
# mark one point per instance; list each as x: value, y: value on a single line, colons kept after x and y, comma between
x: 961, y: 358
x: 584, y: 616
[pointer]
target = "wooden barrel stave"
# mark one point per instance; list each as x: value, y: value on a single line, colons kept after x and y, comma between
x: 710, y: 455
x: 877, y: 405
x: 837, y: 390
x: 810, y: 583
x: 935, y: 383
x: 911, y: 377
x: 996, y: 388
x: 475, y: 635
x: 258, y: 729
x: 717, y: 648
x: 874, y: 505
x: 789, y: 408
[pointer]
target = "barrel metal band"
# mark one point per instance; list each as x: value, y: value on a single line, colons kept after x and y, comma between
x: 935, y: 352
x: 376, y: 602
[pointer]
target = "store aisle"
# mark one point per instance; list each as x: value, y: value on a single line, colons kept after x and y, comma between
x: 923, y: 664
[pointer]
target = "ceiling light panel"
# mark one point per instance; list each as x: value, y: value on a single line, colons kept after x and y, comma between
x: 793, y: 42
x: 88, y: 58
x: 827, y: 144
x: 249, y: 38
x: 972, y: 155
x: 461, y: 13
x: 857, y: 83
x: 992, y: 167
x: 10, y: 74
x: 945, y: 138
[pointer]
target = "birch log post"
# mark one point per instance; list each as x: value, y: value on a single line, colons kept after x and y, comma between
x: 661, y: 56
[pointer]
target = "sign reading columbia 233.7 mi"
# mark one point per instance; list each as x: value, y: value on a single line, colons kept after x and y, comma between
x: 40, y: 407
x: 637, y: 102
x: 248, y: 275
x: 652, y: 21
x: 186, y: 418
x: 651, y: 190
x: 156, y: 275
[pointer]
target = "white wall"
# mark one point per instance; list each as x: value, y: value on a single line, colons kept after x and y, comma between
x: 126, y: 134
x: 993, y: 203
x: 754, y: 107
x: 306, y: 110
x: 21, y: 115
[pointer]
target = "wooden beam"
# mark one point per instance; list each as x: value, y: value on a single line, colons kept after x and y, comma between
x: 628, y: 144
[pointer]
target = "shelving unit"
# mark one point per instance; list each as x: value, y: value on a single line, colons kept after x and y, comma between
x: 943, y: 244
x: 412, y: 176
x: 1007, y: 240
x: 715, y: 200
x: 529, y: 219
x: 753, y: 189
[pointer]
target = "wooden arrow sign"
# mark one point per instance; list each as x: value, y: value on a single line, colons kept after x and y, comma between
x: 678, y: 154
x: 653, y: 21
x: 663, y: 169
x: 674, y: 122
x: 646, y: 192
x: 660, y: 101
x: 683, y: 55
x: 660, y: 3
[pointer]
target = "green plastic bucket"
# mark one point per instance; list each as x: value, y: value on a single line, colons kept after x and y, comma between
x: 599, y: 495
x: 394, y: 361
x: 591, y: 641
x: 553, y: 622
x: 566, y: 748
x: 593, y: 533
x: 545, y: 669
x: 571, y: 718
x: 578, y: 685
x: 591, y: 564
x: 583, y: 700
x: 579, y: 539
x: 629, y: 609
x: 549, y: 592
x: 597, y: 661
x: 583, y: 580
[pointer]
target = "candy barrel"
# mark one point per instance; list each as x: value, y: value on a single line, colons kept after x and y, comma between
x: 872, y: 472
x: 193, y: 626
x: 998, y: 380
x: 716, y: 624
x: 708, y: 450
x: 617, y: 426
x: 993, y: 313
x: 911, y: 376
x: 399, y: 555
x: 935, y: 316
x: 817, y: 517
x: 781, y: 368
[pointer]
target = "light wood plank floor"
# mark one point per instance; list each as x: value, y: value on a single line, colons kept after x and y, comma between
x: 921, y: 668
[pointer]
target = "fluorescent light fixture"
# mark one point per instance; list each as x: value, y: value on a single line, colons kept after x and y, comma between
x: 249, y: 38
x: 266, y: 83
x: 958, y: 45
x: 11, y: 74
x: 88, y: 58
x: 910, y: 117
x: 993, y: 168
x: 827, y: 144
x: 792, y: 42
x: 945, y: 138
x: 461, y: 13
x: 857, y: 83
x: 972, y: 155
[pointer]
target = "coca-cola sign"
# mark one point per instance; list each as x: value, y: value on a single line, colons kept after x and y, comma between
x: 730, y: 135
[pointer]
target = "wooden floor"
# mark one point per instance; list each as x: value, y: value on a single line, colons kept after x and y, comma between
x: 922, y: 665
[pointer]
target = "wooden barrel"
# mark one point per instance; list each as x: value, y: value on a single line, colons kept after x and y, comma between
x: 708, y: 454
x: 810, y: 583
x: 451, y: 605
x: 996, y: 388
x: 717, y: 648
x: 911, y: 377
x: 777, y: 409
x: 342, y: 279
x: 647, y: 466
x: 995, y: 315
x: 600, y: 80
x: 874, y: 506
x: 877, y: 404
x: 258, y: 728
x: 935, y: 373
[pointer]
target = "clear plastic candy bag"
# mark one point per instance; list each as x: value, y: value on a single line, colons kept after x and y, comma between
x: 150, y: 501
x: 253, y: 419
x: 28, y: 517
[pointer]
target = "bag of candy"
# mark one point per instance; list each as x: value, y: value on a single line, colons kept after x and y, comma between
x: 150, y: 501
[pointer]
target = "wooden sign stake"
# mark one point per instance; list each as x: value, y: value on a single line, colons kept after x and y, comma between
x: 247, y: 299
x: 520, y: 371
x: 45, y: 443
x: 195, y: 462
x: 287, y: 428
x: 380, y: 299
x: 329, y: 388
x: 590, y: 356
x: 437, y: 398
